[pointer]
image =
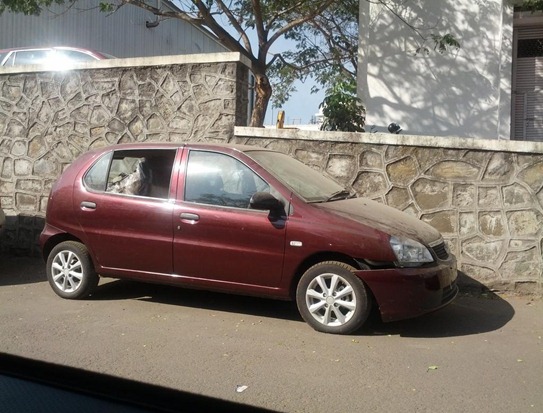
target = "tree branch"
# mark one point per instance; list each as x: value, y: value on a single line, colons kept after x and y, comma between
x: 235, y: 24
x: 297, y: 22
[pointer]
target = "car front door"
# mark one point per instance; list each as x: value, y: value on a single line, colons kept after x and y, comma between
x: 218, y: 239
x: 125, y: 210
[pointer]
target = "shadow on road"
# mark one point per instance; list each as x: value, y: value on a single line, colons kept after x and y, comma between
x: 164, y: 294
x: 21, y: 270
x: 476, y: 310
x: 468, y: 314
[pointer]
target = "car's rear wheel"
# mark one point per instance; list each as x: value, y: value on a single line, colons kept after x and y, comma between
x: 70, y: 270
x: 332, y: 299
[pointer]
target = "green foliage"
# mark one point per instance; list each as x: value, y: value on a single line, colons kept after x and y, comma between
x: 531, y: 5
x: 28, y: 7
x: 342, y: 110
x: 442, y: 44
x: 107, y: 7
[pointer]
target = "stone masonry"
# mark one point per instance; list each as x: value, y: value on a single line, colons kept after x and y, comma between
x: 485, y: 197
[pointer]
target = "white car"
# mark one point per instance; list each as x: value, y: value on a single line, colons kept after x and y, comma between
x: 50, y: 57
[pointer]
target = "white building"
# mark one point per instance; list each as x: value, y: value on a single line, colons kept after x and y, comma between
x: 492, y: 87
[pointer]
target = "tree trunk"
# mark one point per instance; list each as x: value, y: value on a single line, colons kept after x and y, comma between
x: 263, y: 92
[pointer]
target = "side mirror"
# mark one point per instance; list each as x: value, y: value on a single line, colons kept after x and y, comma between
x: 266, y: 202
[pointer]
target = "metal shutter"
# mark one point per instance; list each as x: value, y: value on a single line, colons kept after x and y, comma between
x: 528, y: 85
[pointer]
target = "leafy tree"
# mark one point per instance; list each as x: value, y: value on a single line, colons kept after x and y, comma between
x: 326, y: 49
x: 342, y: 109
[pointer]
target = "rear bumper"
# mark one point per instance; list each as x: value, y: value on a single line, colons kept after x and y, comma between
x: 409, y: 292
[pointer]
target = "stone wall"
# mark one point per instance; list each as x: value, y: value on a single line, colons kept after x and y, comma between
x: 485, y: 197
x: 48, y: 118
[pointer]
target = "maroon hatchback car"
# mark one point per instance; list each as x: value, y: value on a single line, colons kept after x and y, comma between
x: 245, y: 220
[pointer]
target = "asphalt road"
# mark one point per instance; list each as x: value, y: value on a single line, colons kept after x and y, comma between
x: 480, y: 354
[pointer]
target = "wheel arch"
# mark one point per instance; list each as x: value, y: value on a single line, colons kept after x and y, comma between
x: 53, y: 241
x: 315, y: 259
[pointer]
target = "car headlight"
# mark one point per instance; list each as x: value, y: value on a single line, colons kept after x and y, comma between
x: 410, y: 252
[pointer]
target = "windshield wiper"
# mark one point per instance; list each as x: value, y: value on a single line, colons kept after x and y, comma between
x: 343, y: 194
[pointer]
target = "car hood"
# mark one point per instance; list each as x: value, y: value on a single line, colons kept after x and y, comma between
x: 383, y: 218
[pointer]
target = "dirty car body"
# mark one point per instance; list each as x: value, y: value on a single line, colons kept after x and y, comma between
x: 244, y: 220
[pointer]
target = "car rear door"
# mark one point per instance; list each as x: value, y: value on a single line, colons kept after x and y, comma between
x: 217, y: 238
x: 123, y: 205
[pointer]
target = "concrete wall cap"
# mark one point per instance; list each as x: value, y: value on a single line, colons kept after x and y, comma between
x: 201, y: 58
x: 452, y: 142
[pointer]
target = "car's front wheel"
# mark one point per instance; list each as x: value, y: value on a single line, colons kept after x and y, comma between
x: 70, y: 270
x: 332, y: 299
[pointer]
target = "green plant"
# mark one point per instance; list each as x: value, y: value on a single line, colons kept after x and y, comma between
x: 342, y: 109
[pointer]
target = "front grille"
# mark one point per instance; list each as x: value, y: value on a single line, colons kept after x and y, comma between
x: 441, y: 251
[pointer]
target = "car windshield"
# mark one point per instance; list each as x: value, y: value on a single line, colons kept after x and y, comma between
x: 306, y: 182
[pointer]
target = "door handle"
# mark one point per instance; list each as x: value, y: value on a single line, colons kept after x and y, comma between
x: 88, y: 205
x: 189, y: 217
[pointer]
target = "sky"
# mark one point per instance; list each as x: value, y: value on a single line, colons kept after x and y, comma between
x: 300, y: 108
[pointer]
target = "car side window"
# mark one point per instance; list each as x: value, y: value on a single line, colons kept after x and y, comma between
x: 217, y: 179
x: 30, y: 57
x: 133, y: 172
x: 96, y: 177
x: 74, y: 56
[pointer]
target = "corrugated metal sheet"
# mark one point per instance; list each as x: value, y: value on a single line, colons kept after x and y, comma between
x: 122, y: 34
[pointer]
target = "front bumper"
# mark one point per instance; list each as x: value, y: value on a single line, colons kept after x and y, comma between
x: 409, y: 292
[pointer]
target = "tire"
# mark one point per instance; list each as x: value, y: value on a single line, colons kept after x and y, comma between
x: 70, y: 271
x: 331, y: 299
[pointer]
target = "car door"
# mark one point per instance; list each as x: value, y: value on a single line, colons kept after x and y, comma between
x: 125, y: 210
x: 217, y: 237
